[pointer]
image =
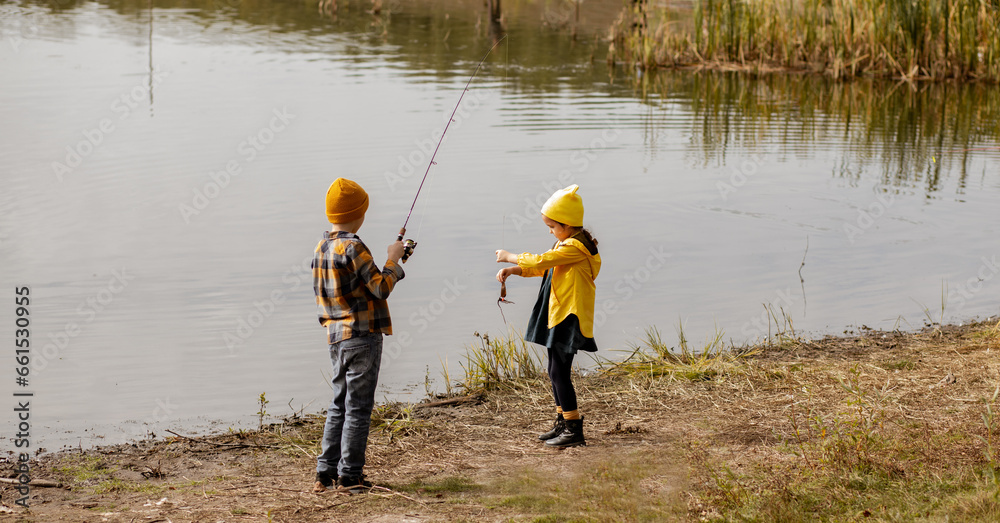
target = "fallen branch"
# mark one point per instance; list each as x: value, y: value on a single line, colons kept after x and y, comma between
x: 44, y: 483
x: 225, y: 445
x: 393, y: 492
x: 304, y: 451
x: 450, y: 401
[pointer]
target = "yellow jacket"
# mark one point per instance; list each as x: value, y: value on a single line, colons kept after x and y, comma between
x: 573, y: 272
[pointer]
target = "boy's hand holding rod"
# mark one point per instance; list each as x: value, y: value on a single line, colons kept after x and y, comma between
x: 396, y: 251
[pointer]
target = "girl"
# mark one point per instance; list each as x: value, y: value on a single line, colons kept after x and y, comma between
x: 563, y: 317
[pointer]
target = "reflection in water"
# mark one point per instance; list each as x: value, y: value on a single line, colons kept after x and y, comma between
x: 150, y: 85
x: 422, y: 35
x: 915, y: 134
x: 496, y: 27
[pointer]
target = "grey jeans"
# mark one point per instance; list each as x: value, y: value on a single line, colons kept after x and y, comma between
x: 356, y: 363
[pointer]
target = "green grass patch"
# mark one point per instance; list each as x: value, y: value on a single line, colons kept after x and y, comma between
x: 97, y: 475
x: 82, y: 469
x: 641, y: 486
x: 121, y: 485
x: 903, y: 364
x: 449, y: 484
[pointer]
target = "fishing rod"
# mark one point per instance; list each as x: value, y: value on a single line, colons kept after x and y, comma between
x: 410, y: 245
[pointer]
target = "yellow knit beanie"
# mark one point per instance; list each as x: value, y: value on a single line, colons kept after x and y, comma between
x: 346, y: 201
x: 565, y: 207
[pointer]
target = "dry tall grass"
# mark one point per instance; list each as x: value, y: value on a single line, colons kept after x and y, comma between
x: 843, y: 38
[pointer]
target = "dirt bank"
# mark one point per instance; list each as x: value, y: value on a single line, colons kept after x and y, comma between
x: 878, y: 425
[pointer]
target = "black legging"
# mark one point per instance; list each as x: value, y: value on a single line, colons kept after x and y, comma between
x: 560, y: 369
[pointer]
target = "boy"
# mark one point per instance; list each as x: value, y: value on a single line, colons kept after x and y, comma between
x: 351, y: 293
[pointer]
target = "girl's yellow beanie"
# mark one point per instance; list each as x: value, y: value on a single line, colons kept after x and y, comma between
x: 346, y: 201
x: 565, y: 207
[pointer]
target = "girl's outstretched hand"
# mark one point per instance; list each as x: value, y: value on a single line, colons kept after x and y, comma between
x: 507, y: 271
x: 504, y: 256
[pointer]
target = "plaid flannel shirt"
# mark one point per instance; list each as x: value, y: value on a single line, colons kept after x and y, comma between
x: 350, y: 289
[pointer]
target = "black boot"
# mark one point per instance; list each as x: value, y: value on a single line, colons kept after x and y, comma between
x: 324, y: 481
x: 571, y: 437
x: 557, y: 429
x: 358, y: 485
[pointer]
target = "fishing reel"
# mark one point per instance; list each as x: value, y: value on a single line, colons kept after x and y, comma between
x: 408, y: 247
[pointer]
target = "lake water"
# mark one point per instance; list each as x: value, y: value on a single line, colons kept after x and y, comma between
x: 164, y: 166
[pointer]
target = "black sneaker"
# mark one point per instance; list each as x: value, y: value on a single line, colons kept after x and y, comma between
x: 323, y: 482
x: 354, y: 485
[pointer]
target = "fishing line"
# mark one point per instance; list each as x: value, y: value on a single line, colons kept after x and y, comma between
x: 506, y: 64
x: 410, y: 245
x: 499, y: 301
x: 503, y: 285
x: 503, y: 221
x: 423, y: 214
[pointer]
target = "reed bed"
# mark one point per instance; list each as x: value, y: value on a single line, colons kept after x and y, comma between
x: 929, y: 39
x: 916, y: 135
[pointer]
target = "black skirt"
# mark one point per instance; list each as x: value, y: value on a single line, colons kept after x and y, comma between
x: 564, y: 337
